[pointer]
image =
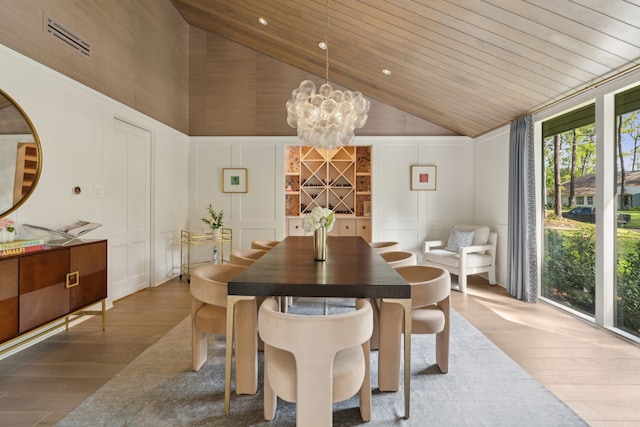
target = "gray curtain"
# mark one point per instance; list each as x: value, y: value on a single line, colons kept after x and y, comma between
x: 521, y: 240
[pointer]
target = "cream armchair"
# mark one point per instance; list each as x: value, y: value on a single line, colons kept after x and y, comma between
x: 470, y: 249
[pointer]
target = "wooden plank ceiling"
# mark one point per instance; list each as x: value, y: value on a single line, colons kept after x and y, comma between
x: 467, y: 65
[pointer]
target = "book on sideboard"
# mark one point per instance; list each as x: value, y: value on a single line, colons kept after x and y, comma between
x: 21, y: 244
x: 19, y: 250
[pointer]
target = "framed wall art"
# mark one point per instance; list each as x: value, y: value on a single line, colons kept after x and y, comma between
x: 234, y: 180
x: 423, y: 177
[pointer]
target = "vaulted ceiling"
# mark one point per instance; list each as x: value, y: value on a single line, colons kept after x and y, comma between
x: 467, y: 65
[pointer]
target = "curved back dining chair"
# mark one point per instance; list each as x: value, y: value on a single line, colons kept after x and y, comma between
x: 315, y: 360
x: 265, y: 245
x: 394, y: 259
x: 399, y: 258
x: 209, y: 316
x: 382, y: 247
x: 430, y: 292
x: 245, y: 256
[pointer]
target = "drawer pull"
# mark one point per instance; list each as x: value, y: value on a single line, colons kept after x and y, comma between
x: 73, y: 279
x: 297, y: 226
x: 347, y: 227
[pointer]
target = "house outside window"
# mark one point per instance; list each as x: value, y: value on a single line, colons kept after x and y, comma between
x: 579, y: 200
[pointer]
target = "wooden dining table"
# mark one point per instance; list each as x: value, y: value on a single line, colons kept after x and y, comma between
x: 352, y: 269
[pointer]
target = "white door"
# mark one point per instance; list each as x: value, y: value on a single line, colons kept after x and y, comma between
x: 128, y: 199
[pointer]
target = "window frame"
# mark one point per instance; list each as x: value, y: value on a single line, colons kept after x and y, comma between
x: 605, y: 207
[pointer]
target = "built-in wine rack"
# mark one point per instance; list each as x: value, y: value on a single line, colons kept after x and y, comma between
x: 337, y: 179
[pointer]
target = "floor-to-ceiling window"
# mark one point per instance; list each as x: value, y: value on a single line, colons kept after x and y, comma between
x: 568, y: 267
x: 627, y: 203
x: 591, y: 237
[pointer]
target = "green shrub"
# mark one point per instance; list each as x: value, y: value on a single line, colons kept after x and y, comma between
x: 569, y: 274
x: 628, y: 291
x: 569, y: 269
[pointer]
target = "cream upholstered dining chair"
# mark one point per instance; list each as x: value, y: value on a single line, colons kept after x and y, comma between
x: 470, y: 249
x: 430, y: 292
x: 394, y: 259
x: 315, y: 360
x: 399, y: 258
x: 245, y: 256
x: 209, y: 316
x: 265, y: 245
x: 381, y: 247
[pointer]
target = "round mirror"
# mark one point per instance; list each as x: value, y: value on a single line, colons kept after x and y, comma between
x: 20, y: 155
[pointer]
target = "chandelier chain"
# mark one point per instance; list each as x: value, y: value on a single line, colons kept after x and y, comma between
x: 326, y: 38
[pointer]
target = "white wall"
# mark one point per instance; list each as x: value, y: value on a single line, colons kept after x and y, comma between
x: 491, y: 186
x: 410, y: 217
x: 257, y: 214
x: 74, y: 124
x: 398, y: 213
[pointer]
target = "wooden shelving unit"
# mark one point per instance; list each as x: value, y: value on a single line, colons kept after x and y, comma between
x: 337, y: 179
x: 363, y: 181
x: 26, y: 169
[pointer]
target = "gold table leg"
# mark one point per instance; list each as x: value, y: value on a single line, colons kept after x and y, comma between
x: 231, y: 302
x: 406, y: 304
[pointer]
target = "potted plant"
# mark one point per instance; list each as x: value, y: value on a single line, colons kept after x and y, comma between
x: 214, y: 220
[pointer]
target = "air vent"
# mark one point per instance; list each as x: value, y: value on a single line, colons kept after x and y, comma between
x: 66, y: 36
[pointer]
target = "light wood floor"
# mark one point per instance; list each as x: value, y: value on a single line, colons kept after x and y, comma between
x: 594, y: 372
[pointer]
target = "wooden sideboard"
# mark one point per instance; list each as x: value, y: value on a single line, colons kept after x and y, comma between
x: 41, y: 287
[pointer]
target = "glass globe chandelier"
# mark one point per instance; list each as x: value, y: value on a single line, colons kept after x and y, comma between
x: 326, y: 118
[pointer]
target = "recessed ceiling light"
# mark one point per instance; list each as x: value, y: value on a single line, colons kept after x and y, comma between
x: 322, y: 45
x: 386, y: 71
x: 262, y: 21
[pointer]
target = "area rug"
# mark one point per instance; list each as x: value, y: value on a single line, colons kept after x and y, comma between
x: 484, y: 387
